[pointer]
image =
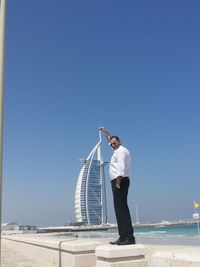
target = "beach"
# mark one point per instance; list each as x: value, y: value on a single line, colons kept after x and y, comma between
x: 12, y: 256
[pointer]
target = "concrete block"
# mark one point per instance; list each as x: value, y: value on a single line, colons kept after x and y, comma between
x: 79, y: 254
x: 121, y: 256
x: 74, y: 253
x: 79, y: 247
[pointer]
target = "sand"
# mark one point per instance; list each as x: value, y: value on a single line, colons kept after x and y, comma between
x: 13, y: 258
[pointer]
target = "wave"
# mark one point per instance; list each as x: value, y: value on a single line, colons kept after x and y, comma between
x: 156, y: 232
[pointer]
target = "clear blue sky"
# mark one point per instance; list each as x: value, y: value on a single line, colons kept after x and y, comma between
x: 72, y: 66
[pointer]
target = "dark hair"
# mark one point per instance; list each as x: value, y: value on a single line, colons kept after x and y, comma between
x: 116, y: 137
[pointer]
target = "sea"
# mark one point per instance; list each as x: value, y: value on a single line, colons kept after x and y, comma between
x: 187, y: 235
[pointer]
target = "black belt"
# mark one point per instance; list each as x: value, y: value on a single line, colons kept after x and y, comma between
x: 124, y: 177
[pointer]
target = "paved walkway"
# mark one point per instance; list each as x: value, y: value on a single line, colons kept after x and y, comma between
x: 12, y: 258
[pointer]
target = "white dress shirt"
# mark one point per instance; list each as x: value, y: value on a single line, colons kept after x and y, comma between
x: 120, y: 164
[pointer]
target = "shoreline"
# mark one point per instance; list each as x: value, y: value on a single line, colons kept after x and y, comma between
x: 161, y: 238
x: 106, y: 227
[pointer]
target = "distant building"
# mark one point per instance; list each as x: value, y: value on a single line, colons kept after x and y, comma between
x: 27, y: 227
x: 13, y: 226
x: 90, y: 195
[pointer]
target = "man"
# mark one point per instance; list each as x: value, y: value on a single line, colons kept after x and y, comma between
x: 120, y: 170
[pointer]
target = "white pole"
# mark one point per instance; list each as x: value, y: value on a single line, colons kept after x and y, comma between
x: 198, y: 226
x: 2, y: 45
x: 103, y: 187
x: 196, y: 217
x: 197, y: 220
x: 100, y: 138
x: 99, y: 157
x: 136, y: 211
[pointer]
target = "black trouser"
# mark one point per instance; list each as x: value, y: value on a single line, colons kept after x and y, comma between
x: 122, y: 213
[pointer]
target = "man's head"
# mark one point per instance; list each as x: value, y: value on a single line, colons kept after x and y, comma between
x: 115, y: 142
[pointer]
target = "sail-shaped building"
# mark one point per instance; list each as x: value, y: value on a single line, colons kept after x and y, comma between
x: 90, y: 195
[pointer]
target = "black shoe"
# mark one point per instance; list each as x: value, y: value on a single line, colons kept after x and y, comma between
x: 116, y: 242
x: 127, y: 241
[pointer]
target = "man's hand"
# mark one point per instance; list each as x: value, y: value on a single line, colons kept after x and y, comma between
x: 102, y: 129
x: 106, y: 133
x: 118, y: 182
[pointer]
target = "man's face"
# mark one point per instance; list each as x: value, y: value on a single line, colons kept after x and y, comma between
x: 114, y: 143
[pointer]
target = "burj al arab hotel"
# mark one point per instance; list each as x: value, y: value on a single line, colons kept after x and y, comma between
x: 90, y: 195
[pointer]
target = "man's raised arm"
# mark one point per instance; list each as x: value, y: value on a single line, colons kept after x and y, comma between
x: 106, y: 133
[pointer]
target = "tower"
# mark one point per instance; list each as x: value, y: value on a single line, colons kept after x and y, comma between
x: 90, y: 195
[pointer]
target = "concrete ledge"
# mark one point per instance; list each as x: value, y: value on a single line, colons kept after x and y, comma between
x: 79, y: 248
x: 121, y: 256
x: 73, y: 253
x: 178, y: 258
x: 113, y: 251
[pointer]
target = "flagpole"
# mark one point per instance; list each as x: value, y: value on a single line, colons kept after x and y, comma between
x: 198, y: 226
x: 137, y: 218
x: 2, y: 46
x: 197, y: 221
x: 196, y: 205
